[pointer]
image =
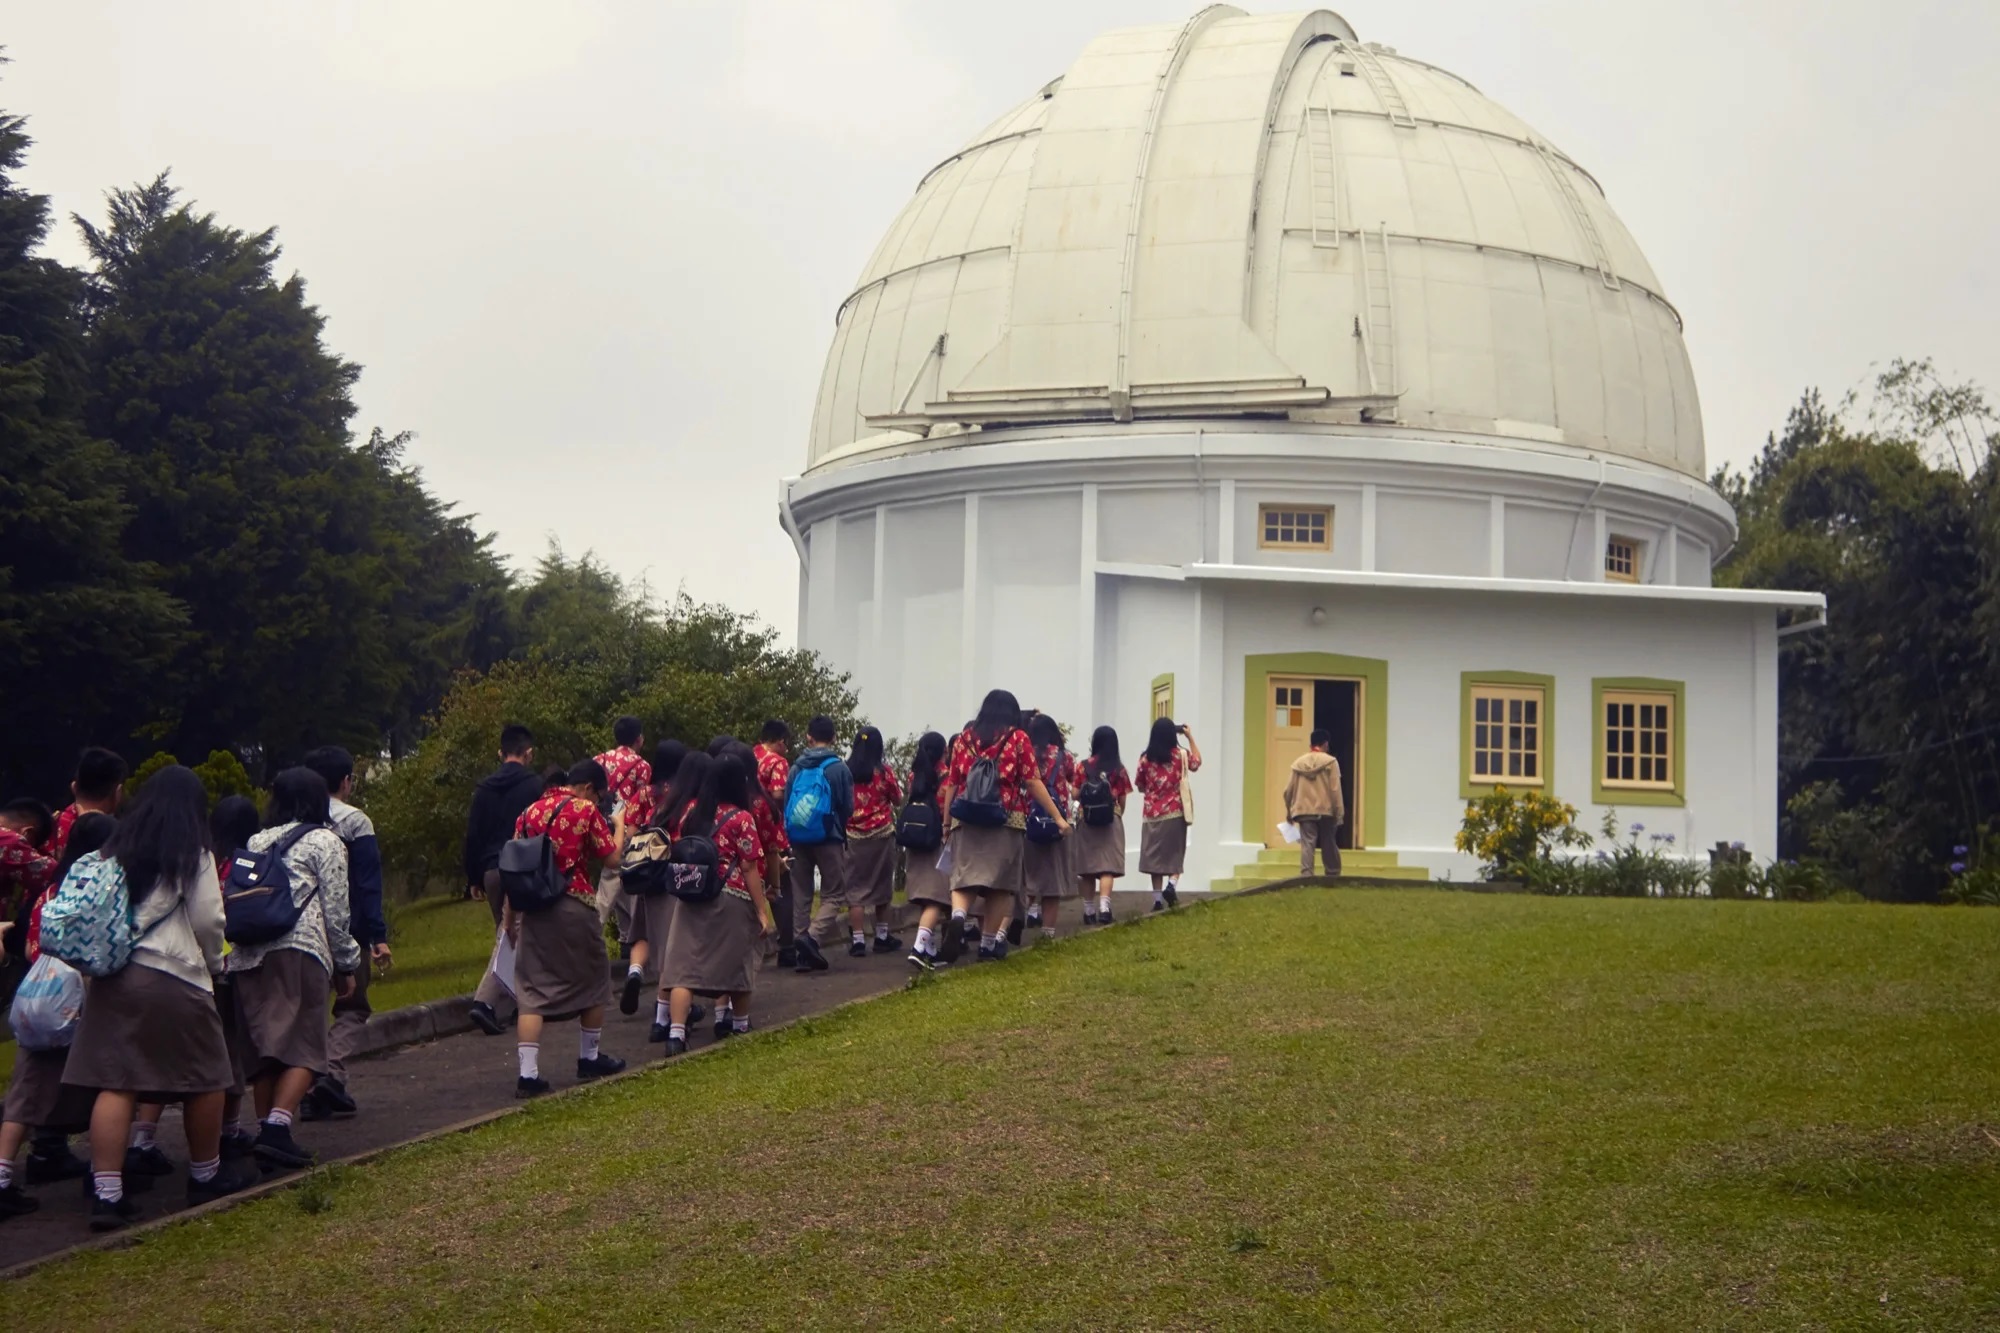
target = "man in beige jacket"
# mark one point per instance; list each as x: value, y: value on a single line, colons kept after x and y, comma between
x: 1313, y: 802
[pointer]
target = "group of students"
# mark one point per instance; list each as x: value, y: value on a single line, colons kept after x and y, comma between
x: 992, y: 831
x: 196, y: 1013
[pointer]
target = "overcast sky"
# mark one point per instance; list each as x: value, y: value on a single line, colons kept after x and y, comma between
x: 591, y: 254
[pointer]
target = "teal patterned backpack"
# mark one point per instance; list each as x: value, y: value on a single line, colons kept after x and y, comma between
x: 88, y: 924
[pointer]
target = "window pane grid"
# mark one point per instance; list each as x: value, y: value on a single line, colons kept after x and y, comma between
x: 1304, y: 528
x: 1507, y: 735
x: 1639, y: 740
x: 1621, y: 560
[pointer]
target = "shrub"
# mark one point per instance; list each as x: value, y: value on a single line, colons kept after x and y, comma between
x: 1505, y: 830
x: 1975, y: 872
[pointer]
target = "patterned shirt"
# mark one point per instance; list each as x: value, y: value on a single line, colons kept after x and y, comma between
x: 773, y: 772
x: 1161, y: 786
x: 1120, y: 780
x: 628, y: 776
x: 1062, y: 778
x: 65, y: 821
x: 1014, y: 759
x: 738, y: 847
x: 577, y: 830
x: 316, y: 861
x: 26, y: 879
x: 875, y: 803
x: 770, y: 829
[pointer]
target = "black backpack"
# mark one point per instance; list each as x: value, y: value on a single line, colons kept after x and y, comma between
x: 529, y: 875
x: 257, y: 904
x: 695, y: 873
x: 1094, y: 798
x: 919, y: 827
x: 1042, y: 828
x: 645, y: 867
x: 979, y: 804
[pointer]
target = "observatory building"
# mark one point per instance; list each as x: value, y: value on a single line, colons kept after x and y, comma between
x: 1271, y: 379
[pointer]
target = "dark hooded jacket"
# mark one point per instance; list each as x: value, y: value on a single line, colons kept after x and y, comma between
x: 497, y: 802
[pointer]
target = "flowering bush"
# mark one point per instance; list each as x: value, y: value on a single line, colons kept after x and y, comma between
x: 1975, y: 872
x: 1505, y: 830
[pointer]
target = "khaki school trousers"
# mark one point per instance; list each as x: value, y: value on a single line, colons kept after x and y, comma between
x: 1323, y: 832
x: 826, y: 861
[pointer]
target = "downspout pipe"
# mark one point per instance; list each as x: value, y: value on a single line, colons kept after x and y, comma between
x: 790, y: 523
x: 1576, y: 525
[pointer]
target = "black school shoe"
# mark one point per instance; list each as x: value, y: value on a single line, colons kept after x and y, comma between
x: 659, y: 1033
x: 237, y: 1146
x: 810, y: 957
x: 923, y: 960
x: 887, y: 944
x: 1034, y: 921
x: 1173, y: 898
x: 677, y: 1046
x: 597, y: 1066
x: 628, y: 998
x: 788, y: 955
x: 697, y: 1012
x: 483, y: 1018
x: 995, y: 952
x: 107, y: 1216
x: 17, y: 1202
x: 275, y: 1145
x: 1014, y: 932
x: 328, y: 1100
x: 228, y: 1179
x: 723, y: 1026
x: 47, y: 1168
x: 524, y: 1088
x: 146, y: 1162
x: 1089, y: 917
x: 858, y: 949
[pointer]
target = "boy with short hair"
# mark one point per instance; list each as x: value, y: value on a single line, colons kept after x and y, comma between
x: 774, y: 771
x: 364, y: 899
x: 826, y: 859
x: 99, y: 787
x: 496, y: 804
x: 1314, y: 803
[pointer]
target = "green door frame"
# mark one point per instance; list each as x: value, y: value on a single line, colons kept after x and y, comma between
x: 1373, y: 672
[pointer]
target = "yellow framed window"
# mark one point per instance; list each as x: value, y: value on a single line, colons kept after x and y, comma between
x: 1292, y: 528
x: 1639, y: 739
x: 1288, y: 706
x: 1506, y: 740
x: 1621, y: 560
x: 1163, y: 697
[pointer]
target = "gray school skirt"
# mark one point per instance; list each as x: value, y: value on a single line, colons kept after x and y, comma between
x: 38, y: 1096
x: 281, y: 1013
x: 871, y: 869
x: 650, y: 921
x: 1099, y: 849
x: 1163, y: 846
x: 147, y: 1032
x: 1045, y: 869
x: 986, y: 860
x: 714, y: 947
x: 560, y: 967
x: 923, y: 882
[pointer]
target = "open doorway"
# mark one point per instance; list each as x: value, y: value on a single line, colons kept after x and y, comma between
x: 1337, y: 711
x: 1297, y: 706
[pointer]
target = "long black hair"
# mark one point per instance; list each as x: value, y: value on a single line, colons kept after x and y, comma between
x: 165, y: 834
x: 588, y: 773
x: 686, y: 788
x: 1044, y: 732
x: 1104, y: 751
x: 727, y: 782
x: 924, y: 766
x: 999, y: 713
x: 86, y: 835
x: 1163, y: 740
x: 298, y: 795
x: 667, y: 757
x: 864, y: 761
x: 231, y: 825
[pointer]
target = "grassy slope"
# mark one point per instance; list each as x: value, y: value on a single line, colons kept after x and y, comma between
x: 1403, y: 1108
x: 441, y: 948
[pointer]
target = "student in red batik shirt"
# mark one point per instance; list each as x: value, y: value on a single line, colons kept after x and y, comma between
x: 98, y: 788
x: 1046, y: 875
x: 1163, y: 835
x: 774, y: 771
x: 987, y: 843
x: 871, y: 844
x: 1100, y: 848
x: 626, y: 776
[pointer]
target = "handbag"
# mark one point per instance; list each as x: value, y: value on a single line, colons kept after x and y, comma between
x: 1187, y: 796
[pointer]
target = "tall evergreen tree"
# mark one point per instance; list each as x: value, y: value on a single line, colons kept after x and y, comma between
x: 81, y: 631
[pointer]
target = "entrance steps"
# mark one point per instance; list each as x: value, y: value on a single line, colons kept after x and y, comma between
x: 1361, y: 867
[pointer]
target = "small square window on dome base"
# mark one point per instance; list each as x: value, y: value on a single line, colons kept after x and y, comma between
x: 1294, y: 528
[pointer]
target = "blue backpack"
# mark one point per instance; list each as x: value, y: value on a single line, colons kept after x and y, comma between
x: 88, y: 923
x: 257, y: 904
x: 809, y: 806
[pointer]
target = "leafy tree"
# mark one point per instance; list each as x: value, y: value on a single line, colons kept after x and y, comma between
x: 79, y: 624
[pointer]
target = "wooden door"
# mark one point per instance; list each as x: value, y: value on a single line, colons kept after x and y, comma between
x: 1288, y: 718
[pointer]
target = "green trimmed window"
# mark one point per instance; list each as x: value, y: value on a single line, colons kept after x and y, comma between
x: 1506, y: 731
x: 1640, y: 756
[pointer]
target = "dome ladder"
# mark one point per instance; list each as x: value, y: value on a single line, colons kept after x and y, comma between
x: 1385, y: 88
x: 1324, y: 156
x: 1377, y: 322
x: 1593, y: 239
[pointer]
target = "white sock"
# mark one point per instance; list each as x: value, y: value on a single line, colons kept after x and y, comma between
x: 6, y: 1175
x: 722, y: 1011
x: 530, y: 1053
x: 860, y: 937
x: 1034, y: 916
x: 635, y: 971
x: 1158, y: 897
x: 662, y: 1013
x: 677, y: 1031
x: 586, y: 1042
x: 740, y: 1023
x: 142, y: 1134
x: 204, y: 1171
x: 957, y: 914
x: 1048, y: 932
x: 988, y: 941
x: 926, y: 939
x: 280, y: 1117
x: 881, y: 930
x: 108, y: 1185
x: 1103, y: 903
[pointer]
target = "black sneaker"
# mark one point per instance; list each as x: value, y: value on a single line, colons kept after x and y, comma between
x: 524, y: 1088
x: 999, y: 952
x: 677, y: 1046
x: 46, y: 1168
x: 227, y: 1180
x: 276, y: 1145
x: 986, y: 954
x: 887, y: 944
x: 17, y: 1202
x: 810, y: 957
x: 1089, y: 917
x: 1104, y: 917
x: 147, y: 1161
x: 858, y: 949
x: 237, y: 1146
x: 485, y: 1019
x: 953, y: 945
x: 1173, y: 897
x: 722, y: 1026
x: 659, y: 1033
x: 597, y: 1066
x: 1014, y: 931
x: 108, y: 1216
x: 312, y: 1108
x: 1159, y: 906
x: 328, y: 1100
x: 923, y: 960
x: 1034, y: 921
x: 697, y: 1012
x: 788, y: 955
x: 628, y: 999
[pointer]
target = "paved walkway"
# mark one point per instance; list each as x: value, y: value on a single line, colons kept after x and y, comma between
x: 413, y: 1090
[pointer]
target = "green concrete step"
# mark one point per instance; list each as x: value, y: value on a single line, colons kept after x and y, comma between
x: 1276, y: 863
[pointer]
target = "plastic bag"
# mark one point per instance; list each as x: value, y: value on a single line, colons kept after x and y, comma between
x: 945, y: 860
x: 502, y: 965
x: 48, y: 1005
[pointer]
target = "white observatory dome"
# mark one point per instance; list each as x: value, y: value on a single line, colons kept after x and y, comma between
x: 1260, y: 216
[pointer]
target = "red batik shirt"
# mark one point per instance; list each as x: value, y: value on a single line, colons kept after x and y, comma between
x: 1161, y: 786
x: 628, y: 775
x: 739, y: 848
x: 875, y: 803
x: 770, y: 829
x: 1120, y: 780
x: 1061, y: 779
x: 65, y: 821
x: 577, y: 830
x: 25, y: 883
x: 1014, y: 758
x: 773, y: 772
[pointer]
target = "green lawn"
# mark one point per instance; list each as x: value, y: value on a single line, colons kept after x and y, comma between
x: 441, y: 948
x: 1391, y: 1108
